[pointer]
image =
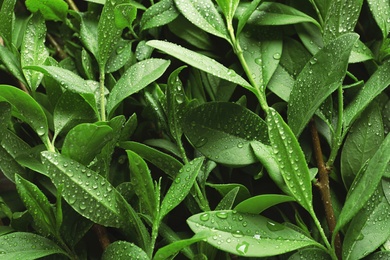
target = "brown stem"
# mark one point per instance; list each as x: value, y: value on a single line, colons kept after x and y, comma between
x: 61, y: 53
x: 72, y: 5
x: 323, y: 186
x: 101, y: 233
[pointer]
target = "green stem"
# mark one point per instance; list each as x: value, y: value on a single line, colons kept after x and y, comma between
x: 318, y: 12
x: 323, y: 236
x: 102, y: 97
x: 337, y: 140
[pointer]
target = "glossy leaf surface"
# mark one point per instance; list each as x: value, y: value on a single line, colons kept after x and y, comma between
x: 6, y: 20
x: 380, y: 10
x: 55, y: 10
x: 122, y: 250
x: 257, y: 204
x: 159, y: 14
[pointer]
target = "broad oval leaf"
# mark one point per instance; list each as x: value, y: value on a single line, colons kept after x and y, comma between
x: 159, y: 14
x: 291, y: 160
x: 134, y: 79
x: 203, y: 14
x: 223, y: 131
x: 200, y: 61
x: 123, y: 250
x: 248, y: 235
x: 55, y: 10
x: 257, y: 204
x: 322, y: 75
x: 27, y: 246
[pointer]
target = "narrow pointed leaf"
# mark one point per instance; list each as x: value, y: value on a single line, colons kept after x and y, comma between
x: 123, y: 250
x: 380, y: 10
x: 7, y: 21
x: 159, y: 14
x: 291, y: 160
x: 12, y: 63
x: 257, y: 204
x: 246, y: 13
x: 248, y: 235
x: 322, y: 75
x: 228, y: 8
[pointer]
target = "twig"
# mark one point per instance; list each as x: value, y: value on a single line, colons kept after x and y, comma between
x: 102, y: 235
x: 72, y: 5
x: 61, y: 53
x: 323, y: 186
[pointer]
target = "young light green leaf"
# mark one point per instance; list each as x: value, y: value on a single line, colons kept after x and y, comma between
x: 369, y: 229
x: 171, y: 249
x: 142, y: 183
x: 313, y: 86
x: 378, y: 82
x: 181, y: 186
x: 7, y: 21
x: 37, y: 205
x: 84, y: 150
x: 123, y: 250
x: 26, y: 109
x: 27, y: 246
x: 380, y: 10
x: 55, y: 10
x: 91, y: 195
x: 200, y: 61
x: 365, y: 184
x: 248, y: 235
x: 222, y: 139
x: 159, y: 14
x: 33, y: 50
x: 125, y: 15
x: 134, y: 79
x: 257, y: 204
x: 366, y: 134
x: 204, y: 15
x: 291, y: 160
x: 228, y: 8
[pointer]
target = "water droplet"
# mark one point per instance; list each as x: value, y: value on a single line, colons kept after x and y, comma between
x: 313, y: 61
x: 276, y: 56
x: 221, y: 215
x: 201, y: 142
x: 231, y: 72
x: 237, y: 234
x: 179, y: 98
x: 41, y: 131
x: 242, y: 248
x: 83, y: 206
x: 240, y: 145
x: 259, y: 61
x: 272, y: 226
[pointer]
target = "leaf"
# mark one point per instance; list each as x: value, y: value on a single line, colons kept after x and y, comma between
x: 26, y: 246
x: 362, y: 142
x: 223, y: 131
x: 142, y: 184
x: 248, y: 235
x: 380, y: 10
x: 5, y: 117
x: 199, y: 61
x: 375, y: 85
x: 91, y: 195
x: 309, y: 254
x: 257, y: 204
x: 37, y: 205
x: 120, y: 57
x: 7, y: 21
x: 55, y: 10
x: 134, y: 79
x: 125, y: 14
x: 81, y: 149
x: 181, y: 186
x: 12, y: 63
x: 33, y: 49
x: 291, y: 160
x: 26, y: 109
x: 175, y: 247
x: 228, y: 8
x: 369, y: 229
x: 163, y: 161
x: 159, y: 14
x: 365, y: 184
x: 122, y: 250
x: 228, y: 200
x: 89, y: 33
x: 224, y: 189
x: 204, y: 15
x: 313, y: 86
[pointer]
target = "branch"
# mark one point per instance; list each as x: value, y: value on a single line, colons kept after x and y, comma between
x: 102, y: 236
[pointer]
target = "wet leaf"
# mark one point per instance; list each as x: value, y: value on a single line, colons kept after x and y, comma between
x: 228, y: 8
x: 88, y: 33
x: 257, y: 204
x: 310, y: 254
x: 125, y: 15
x: 224, y: 140
x: 313, y: 86
x: 159, y: 14
x: 27, y: 246
x: 224, y: 189
x: 7, y: 21
x: 12, y: 63
x: 134, y: 79
x: 248, y: 235
x: 123, y: 250
x: 120, y: 57
x: 380, y: 10
x: 228, y: 200
x: 200, y: 61
x: 55, y: 10
x: 246, y: 13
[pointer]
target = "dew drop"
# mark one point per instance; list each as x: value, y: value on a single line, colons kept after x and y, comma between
x: 240, y: 145
x: 237, y: 234
x: 221, y: 215
x: 242, y: 248
x: 201, y: 142
x: 83, y: 206
x: 41, y: 131
x: 276, y: 56
x: 272, y: 226
x: 204, y: 216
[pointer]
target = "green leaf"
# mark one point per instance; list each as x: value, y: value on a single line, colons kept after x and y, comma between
x: 248, y: 235
x: 228, y: 8
x: 310, y: 254
x: 5, y: 117
x: 204, y: 15
x: 159, y: 14
x: 291, y: 160
x: 313, y: 86
x: 142, y: 183
x: 369, y: 229
x: 257, y: 204
x: 7, y: 21
x: 12, y: 63
x: 125, y: 14
x: 246, y: 13
x: 26, y: 109
x: 380, y: 10
x: 376, y: 84
x: 163, y: 161
x: 55, y: 10
x: 171, y: 249
x: 120, y: 57
x: 228, y: 200
x: 91, y: 195
x: 224, y: 140
x: 123, y: 250
x: 134, y: 79
x: 82, y: 149
x: 224, y: 189
x: 26, y: 246
x: 181, y: 186
x: 37, y: 205
x: 89, y: 33
x: 33, y: 50
x: 362, y: 142
x: 200, y: 61
x: 365, y: 184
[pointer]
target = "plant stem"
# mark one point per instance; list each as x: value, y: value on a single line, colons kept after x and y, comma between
x: 102, y: 236
x: 58, y: 48
x: 102, y: 97
x: 323, y: 186
x: 72, y: 5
